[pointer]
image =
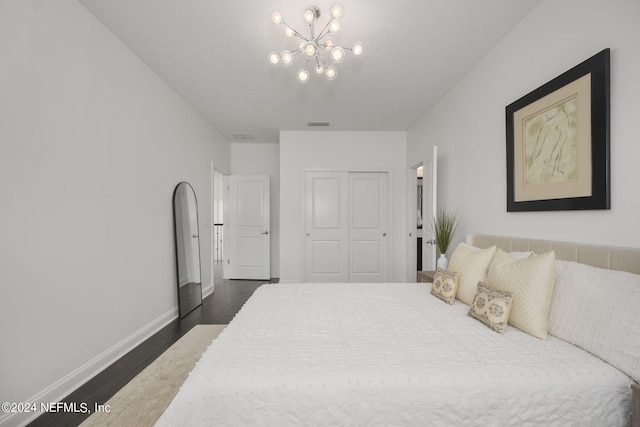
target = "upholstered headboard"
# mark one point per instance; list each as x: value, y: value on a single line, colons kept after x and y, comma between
x: 609, y: 257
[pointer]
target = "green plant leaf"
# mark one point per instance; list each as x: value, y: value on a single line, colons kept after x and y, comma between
x: 444, y: 227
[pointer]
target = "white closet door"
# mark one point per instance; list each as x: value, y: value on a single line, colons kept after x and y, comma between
x: 368, y: 222
x: 346, y: 219
x: 326, y: 226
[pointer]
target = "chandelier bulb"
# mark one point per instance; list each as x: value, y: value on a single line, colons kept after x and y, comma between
x: 319, y: 69
x: 310, y: 49
x: 337, y: 54
x: 328, y: 44
x: 288, y: 31
x: 311, y: 13
x: 274, y: 58
x: 357, y: 49
x: 286, y: 57
x: 303, y: 75
x: 334, y: 26
x: 336, y: 10
x: 276, y: 17
x: 331, y: 72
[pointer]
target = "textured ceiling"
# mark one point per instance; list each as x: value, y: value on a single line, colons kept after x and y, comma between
x: 214, y: 54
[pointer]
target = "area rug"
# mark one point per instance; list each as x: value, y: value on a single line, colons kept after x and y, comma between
x: 143, y: 400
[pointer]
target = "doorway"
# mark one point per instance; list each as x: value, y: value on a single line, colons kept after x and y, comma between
x: 217, y: 242
x: 421, y: 248
x: 419, y: 215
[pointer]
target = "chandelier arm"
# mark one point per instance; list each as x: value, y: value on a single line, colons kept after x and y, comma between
x: 325, y: 30
x: 311, y: 28
x: 295, y: 32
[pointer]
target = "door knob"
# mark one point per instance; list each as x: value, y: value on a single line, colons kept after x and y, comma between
x: 384, y: 234
x: 265, y: 232
x: 194, y: 235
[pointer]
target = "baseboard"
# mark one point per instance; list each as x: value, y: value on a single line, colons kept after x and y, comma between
x: 69, y: 383
x: 208, y: 290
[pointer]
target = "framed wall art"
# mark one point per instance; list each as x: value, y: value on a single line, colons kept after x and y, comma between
x: 558, y: 142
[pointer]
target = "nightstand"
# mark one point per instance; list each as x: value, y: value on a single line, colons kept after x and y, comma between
x: 426, y: 276
x: 635, y: 405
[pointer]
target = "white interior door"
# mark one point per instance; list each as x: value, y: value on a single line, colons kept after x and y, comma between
x: 414, y: 236
x: 247, y: 238
x: 326, y: 227
x: 429, y: 209
x: 368, y: 210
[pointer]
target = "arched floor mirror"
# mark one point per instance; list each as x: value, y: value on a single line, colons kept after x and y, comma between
x: 187, y: 240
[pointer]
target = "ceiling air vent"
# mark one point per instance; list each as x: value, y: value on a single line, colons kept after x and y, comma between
x: 318, y: 124
x: 243, y: 137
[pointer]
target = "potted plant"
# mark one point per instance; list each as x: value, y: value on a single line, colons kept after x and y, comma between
x: 444, y: 227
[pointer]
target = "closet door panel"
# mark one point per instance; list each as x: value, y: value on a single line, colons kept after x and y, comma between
x: 368, y: 238
x: 326, y: 227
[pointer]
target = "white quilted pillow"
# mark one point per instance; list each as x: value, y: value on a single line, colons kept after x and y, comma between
x: 599, y: 311
x: 531, y: 282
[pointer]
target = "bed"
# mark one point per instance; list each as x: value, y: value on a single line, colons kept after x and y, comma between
x: 394, y: 354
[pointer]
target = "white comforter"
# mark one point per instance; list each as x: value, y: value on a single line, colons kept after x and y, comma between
x: 389, y: 354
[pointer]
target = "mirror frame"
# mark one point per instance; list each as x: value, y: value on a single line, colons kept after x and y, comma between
x: 188, y: 299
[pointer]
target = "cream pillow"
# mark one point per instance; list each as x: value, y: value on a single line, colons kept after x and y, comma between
x: 491, y: 307
x: 445, y: 285
x: 531, y: 281
x: 471, y: 266
x: 521, y: 254
x: 500, y: 259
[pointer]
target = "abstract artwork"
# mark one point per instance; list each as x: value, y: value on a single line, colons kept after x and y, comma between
x: 558, y: 142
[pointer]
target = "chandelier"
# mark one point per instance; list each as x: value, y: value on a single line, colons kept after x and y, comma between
x: 315, y: 47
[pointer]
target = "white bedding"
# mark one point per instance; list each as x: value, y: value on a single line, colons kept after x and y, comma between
x: 389, y: 354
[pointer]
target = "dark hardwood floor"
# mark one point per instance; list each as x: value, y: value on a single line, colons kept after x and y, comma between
x: 218, y: 308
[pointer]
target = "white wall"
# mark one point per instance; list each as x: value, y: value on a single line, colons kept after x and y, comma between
x: 300, y: 151
x: 92, y: 144
x: 468, y: 123
x: 261, y: 158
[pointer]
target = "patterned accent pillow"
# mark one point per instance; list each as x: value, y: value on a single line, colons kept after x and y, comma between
x: 491, y: 307
x: 471, y: 266
x: 445, y: 285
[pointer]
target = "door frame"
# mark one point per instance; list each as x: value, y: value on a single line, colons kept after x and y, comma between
x: 388, y: 171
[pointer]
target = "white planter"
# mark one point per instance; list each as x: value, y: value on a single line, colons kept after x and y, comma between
x: 443, y: 262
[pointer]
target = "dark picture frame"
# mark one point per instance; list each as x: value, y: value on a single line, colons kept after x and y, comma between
x: 558, y: 148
